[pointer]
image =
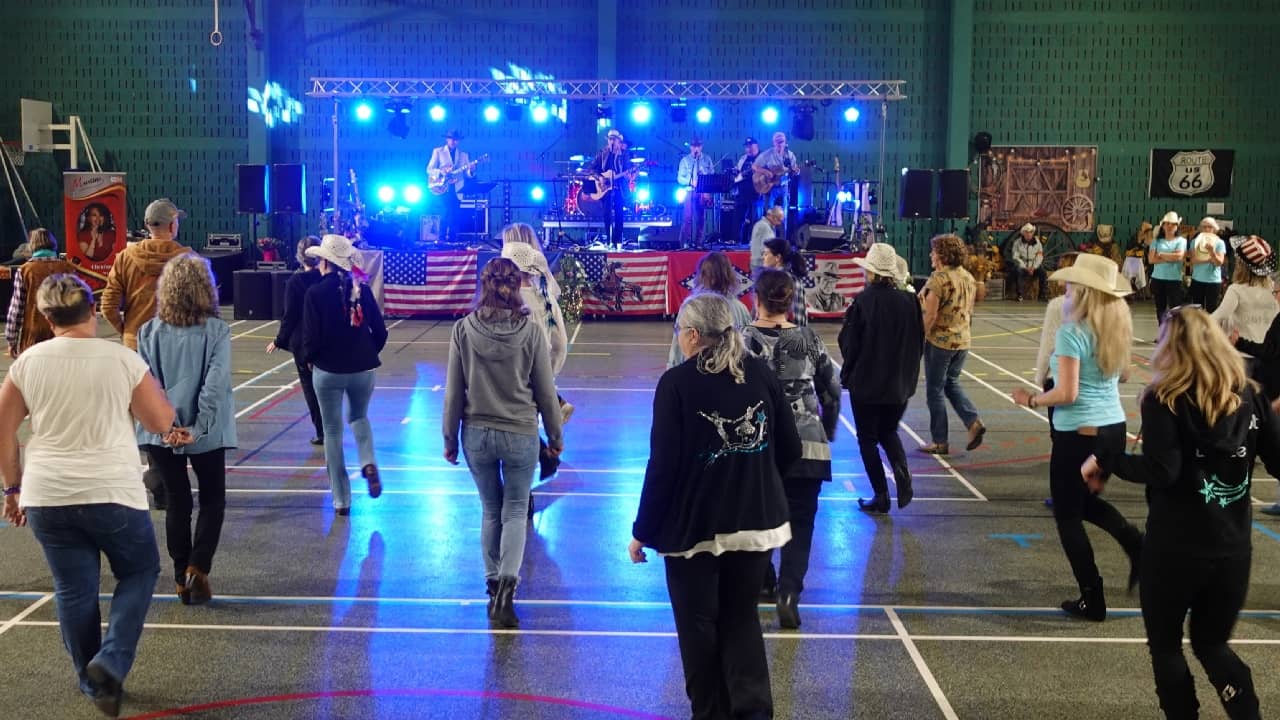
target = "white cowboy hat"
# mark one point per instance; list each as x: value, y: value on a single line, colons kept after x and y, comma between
x: 336, y: 249
x: 901, y: 270
x: 1027, y: 228
x: 1211, y: 223
x: 1097, y: 272
x: 524, y: 256
x: 880, y: 259
x: 1171, y: 217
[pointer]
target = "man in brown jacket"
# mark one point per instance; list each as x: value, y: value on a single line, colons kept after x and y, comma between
x: 129, y: 300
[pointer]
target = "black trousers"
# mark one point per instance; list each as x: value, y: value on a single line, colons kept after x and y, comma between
x: 1206, y: 295
x: 1073, y: 504
x: 1167, y: 294
x: 450, y: 215
x: 309, y: 394
x: 802, y: 503
x: 614, y: 215
x: 211, y: 476
x: 877, y: 427
x: 726, y: 673
x: 1213, y: 590
x: 746, y: 206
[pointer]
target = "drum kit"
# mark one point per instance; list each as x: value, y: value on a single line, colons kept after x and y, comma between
x: 586, y: 193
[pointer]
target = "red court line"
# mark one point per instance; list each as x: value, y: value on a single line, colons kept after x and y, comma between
x: 258, y: 413
x: 482, y: 694
x: 1010, y: 461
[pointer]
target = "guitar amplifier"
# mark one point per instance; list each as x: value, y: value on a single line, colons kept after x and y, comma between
x: 820, y: 237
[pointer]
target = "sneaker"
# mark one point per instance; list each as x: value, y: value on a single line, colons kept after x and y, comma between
x: 1271, y: 509
x: 566, y: 412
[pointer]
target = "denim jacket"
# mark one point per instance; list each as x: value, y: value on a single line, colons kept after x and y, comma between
x: 193, y: 365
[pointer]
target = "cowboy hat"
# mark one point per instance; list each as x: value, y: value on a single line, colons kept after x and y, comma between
x: 1106, y: 233
x: 336, y: 249
x: 453, y: 135
x: 1256, y: 254
x: 524, y: 256
x: 1171, y: 217
x: 880, y: 260
x: 1096, y: 272
x: 1027, y: 228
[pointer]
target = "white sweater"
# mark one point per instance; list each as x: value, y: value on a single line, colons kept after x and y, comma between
x: 1048, y: 337
x: 1248, y: 308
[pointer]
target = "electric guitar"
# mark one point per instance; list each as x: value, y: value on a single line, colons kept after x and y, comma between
x: 607, y: 180
x: 765, y: 180
x: 439, y: 180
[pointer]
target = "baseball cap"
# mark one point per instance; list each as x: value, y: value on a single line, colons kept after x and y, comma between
x: 749, y: 141
x: 162, y: 212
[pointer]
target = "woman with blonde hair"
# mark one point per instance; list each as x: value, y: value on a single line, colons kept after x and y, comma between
x: 188, y: 347
x: 25, y: 325
x: 1087, y: 365
x: 1249, y: 305
x: 948, y: 299
x: 1203, y: 424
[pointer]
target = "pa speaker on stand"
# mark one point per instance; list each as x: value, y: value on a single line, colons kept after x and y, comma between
x: 915, y: 202
x: 953, y: 195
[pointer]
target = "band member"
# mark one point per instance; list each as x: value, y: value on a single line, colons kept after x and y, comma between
x: 779, y: 163
x: 746, y: 204
x: 692, y: 167
x: 444, y: 160
x: 615, y: 160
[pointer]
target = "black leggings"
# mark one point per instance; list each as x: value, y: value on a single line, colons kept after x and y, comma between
x: 1204, y: 294
x: 1073, y: 504
x: 1167, y: 294
x: 1213, y: 589
x: 211, y: 476
x: 802, y: 502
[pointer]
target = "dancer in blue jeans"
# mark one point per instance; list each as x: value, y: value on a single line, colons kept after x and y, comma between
x: 499, y: 382
x: 342, y: 334
x: 81, y: 491
x: 948, y: 299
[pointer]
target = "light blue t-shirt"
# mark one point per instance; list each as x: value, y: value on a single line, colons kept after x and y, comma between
x: 1098, y: 401
x: 1208, y: 272
x: 1168, y: 270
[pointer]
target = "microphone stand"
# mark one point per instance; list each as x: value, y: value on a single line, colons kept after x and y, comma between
x: 555, y: 196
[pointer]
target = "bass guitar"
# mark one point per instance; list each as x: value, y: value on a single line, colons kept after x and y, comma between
x: 439, y: 180
x: 607, y: 180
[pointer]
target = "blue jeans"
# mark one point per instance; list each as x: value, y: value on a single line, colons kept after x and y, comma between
x: 502, y: 465
x: 942, y: 378
x: 358, y: 387
x: 73, y: 536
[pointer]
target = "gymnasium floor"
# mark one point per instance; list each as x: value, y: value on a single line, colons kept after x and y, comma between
x: 946, y: 609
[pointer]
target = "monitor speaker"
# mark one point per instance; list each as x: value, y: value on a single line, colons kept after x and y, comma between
x: 251, y: 189
x: 916, y: 194
x: 820, y: 238
x: 654, y: 238
x: 953, y: 194
x: 288, y: 188
x: 252, y: 295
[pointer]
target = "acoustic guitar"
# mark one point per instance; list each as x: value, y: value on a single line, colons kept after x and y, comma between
x: 439, y: 180
x: 607, y: 180
x: 765, y: 180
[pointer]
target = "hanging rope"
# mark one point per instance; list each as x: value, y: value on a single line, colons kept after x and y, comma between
x: 215, y: 37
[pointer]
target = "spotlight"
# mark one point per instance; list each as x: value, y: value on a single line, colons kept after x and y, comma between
x: 437, y: 113
x: 643, y: 195
x: 851, y: 114
x: 769, y: 116
x: 537, y: 193
x: 679, y: 111
x: 540, y: 113
x: 412, y: 194
x: 364, y: 112
x: 641, y: 113
x: 703, y: 115
x: 386, y: 194
x: 604, y: 111
x: 492, y: 113
x: 681, y: 193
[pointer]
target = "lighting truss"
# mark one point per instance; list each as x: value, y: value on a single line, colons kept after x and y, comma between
x: 599, y: 90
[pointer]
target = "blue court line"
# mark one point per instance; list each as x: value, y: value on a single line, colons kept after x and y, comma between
x: 1267, y: 531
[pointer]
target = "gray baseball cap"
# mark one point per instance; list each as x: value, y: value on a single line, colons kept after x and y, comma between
x: 162, y: 212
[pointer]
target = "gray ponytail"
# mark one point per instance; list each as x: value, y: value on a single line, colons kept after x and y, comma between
x: 722, y: 347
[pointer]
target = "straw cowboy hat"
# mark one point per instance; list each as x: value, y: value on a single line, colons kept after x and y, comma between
x: 1171, y: 217
x: 524, y: 256
x: 1097, y: 272
x: 1256, y: 254
x: 880, y: 259
x: 336, y: 249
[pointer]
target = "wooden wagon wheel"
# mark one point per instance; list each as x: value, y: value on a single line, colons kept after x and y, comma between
x: 1077, y: 211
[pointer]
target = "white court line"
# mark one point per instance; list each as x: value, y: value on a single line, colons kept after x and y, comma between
x: 458, y: 469
x: 440, y: 388
x: 261, y: 375
x: 254, y: 330
x: 277, y: 391
x: 888, y: 471
x: 23, y: 615
x: 542, y: 493
x: 934, y: 689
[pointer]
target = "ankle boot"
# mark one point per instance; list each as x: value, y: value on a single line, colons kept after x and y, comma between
x: 1092, y: 605
x: 199, y: 590
x: 878, y: 504
x: 789, y: 610
x: 902, y: 477
x: 491, y: 589
x: 504, y: 611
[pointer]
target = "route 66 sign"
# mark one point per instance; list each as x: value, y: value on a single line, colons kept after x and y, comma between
x: 1191, y: 173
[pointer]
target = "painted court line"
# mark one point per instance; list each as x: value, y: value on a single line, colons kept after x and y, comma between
x: 254, y: 330
x: 934, y: 689
x: 543, y: 493
x: 17, y: 619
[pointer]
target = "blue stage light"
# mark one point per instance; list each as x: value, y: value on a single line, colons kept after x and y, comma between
x: 492, y: 113
x: 364, y: 112
x: 681, y: 193
x: 537, y: 193
x: 703, y: 115
x: 412, y: 194
x: 851, y: 114
x: 643, y: 195
x: 386, y: 193
x: 641, y: 113
x: 540, y: 113
x: 769, y: 116
x: 437, y: 113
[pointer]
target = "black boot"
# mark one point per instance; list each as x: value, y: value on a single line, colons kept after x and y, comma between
x: 902, y: 477
x: 154, y: 482
x: 491, y: 589
x: 1091, y: 605
x: 789, y: 610
x: 504, y: 611
x: 1134, y: 549
x: 878, y: 505
x: 769, y: 589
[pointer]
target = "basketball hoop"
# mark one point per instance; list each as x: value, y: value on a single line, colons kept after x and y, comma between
x: 13, y: 151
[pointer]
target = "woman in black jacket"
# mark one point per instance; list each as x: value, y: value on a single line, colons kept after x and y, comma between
x: 342, y: 334
x: 1203, y: 423
x: 290, y: 335
x: 881, y: 341
x: 713, y: 505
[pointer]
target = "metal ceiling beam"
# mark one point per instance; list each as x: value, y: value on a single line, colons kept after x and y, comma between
x: 794, y: 90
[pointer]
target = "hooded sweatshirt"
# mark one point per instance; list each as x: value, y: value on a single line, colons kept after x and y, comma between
x: 1198, y: 477
x: 500, y: 378
x: 131, y: 286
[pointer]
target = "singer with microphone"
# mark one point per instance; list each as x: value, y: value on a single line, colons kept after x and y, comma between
x: 693, y: 166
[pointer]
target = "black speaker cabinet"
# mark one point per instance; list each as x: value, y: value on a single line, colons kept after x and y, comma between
x: 654, y: 238
x: 251, y: 189
x: 253, y: 295
x: 820, y: 238
x: 916, y: 193
x: 289, y: 188
x: 953, y: 194
x: 224, y: 265
x: 279, y: 279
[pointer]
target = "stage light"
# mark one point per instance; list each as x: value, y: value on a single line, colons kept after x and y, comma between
x: 643, y: 195
x: 364, y: 112
x: 386, y: 193
x: 540, y: 113
x: 904, y: 171
x: 641, y: 113
x: 679, y: 111
x: 604, y: 111
x: 492, y: 113
x: 844, y: 196
x: 851, y: 114
x: 703, y: 115
x: 399, y: 109
x: 412, y: 194
x: 537, y: 193
x: 769, y: 116
x: 681, y: 193
x: 437, y: 113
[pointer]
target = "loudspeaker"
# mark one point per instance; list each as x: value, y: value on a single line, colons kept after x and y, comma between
x: 653, y: 238
x: 915, y: 193
x: 802, y: 122
x: 820, y: 238
x: 953, y: 194
x: 251, y: 189
x: 279, y: 279
x: 224, y: 264
x: 289, y: 188
x: 253, y: 295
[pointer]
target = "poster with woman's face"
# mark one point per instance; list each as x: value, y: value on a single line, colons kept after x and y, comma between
x: 96, y: 224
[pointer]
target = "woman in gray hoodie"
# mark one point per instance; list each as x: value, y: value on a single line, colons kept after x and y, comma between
x: 499, y: 381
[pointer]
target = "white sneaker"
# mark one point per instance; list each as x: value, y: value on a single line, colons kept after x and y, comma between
x: 566, y: 412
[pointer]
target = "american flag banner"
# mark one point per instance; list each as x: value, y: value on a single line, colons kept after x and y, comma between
x: 438, y: 282
x: 832, y: 282
x: 625, y: 283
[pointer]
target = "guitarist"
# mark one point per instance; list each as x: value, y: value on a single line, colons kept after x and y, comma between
x: 614, y: 159
x: 443, y: 159
x: 746, y: 204
x: 778, y: 164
